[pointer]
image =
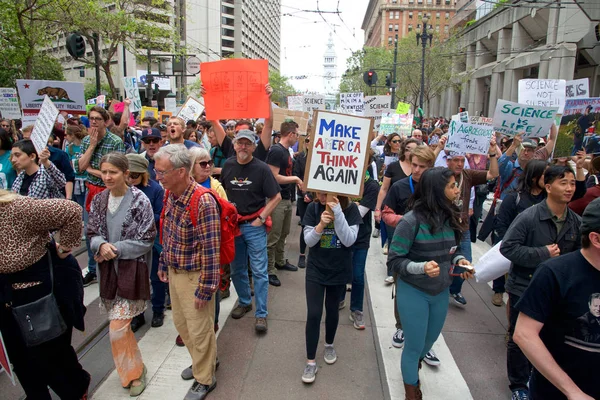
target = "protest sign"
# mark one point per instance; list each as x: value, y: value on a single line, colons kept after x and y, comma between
x: 352, y: 103
x: 118, y: 107
x: 299, y: 117
x: 91, y: 102
x: 170, y: 104
x: 191, y: 110
x: 66, y: 96
x: 5, y: 362
x: 514, y: 118
x: 480, y: 121
x: 164, y: 116
x: 151, y: 112
x: 578, y: 89
x: 466, y: 138
x: 375, y: 107
x: 44, y: 124
x: 101, y: 100
x: 405, y: 125
x: 236, y: 89
x: 389, y: 124
x: 9, y: 104
x: 543, y: 92
x: 402, y: 108
x: 295, y: 103
x: 132, y: 92
x: 577, y: 128
x: 337, y: 161
x: 463, y: 117
x: 313, y: 102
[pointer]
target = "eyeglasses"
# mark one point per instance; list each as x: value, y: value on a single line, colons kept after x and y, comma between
x: 151, y: 140
x: 96, y: 119
x: 244, y: 144
x: 5, y: 126
x: 135, y: 175
x: 205, y: 164
x: 163, y: 173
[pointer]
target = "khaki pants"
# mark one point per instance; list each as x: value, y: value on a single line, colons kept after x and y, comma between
x: 282, y: 218
x: 196, y: 327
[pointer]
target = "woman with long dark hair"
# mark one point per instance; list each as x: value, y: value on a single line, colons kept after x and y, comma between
x: 39, y: 177
x: 425, y: 254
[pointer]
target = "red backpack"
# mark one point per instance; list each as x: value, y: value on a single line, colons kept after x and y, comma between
x: 228, y: 216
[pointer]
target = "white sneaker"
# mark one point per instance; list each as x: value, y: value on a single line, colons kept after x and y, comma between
x: 385, y: 249
x: 389, y: 280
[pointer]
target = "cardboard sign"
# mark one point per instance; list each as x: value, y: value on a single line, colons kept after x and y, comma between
x: 300, y: 117
x: 352, y: 103
x: 66, y: 96
x: 578, y: 89
x: 337, y: 160
x: 313, y: 102
x: 191, y: 110
x: 133, y: 93
x: 295, y: 103
x: 9, y: 104
x: 149, y: 112
x: 463, y: 117
x: 514, y: 118
x: 44, y: 124
x: 543, y: 93
x: 402, y: 108
x: 577, y: 128
x: 5, y: 362
x: 236, y: 89
x: 375, y: 107
x: 164, y: 116
x: 465, y: 138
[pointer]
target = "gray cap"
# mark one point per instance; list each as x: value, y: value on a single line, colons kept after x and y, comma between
x: 245, y: 134
x: 230, y: 123
x: 529, y: 143
x: 590, y: 220
x: 137, y: 163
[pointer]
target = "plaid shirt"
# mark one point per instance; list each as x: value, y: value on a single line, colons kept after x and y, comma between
x: 109, y: 143
x: 191, y: 249
x: 47, y: 183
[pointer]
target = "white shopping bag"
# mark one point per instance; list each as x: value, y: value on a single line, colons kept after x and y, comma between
x: 491, y: 265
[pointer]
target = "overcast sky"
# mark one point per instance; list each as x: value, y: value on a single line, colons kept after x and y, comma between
x: 304, y: 37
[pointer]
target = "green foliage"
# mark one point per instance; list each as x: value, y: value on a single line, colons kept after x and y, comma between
x: 500, y: 3
x: 43, y: 67
x: 471, y: 22
x: 281, y: 88
x: 379, y: 59
x: 89, y: 89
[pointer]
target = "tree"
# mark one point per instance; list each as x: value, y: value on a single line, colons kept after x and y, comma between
x: 379, y: 59
x: 282, y: 88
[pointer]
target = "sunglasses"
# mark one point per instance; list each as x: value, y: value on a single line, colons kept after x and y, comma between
x: 395, y: 141
x: 151, y: 140
x: 205, y: 164
x: 5, y: 126
x: 162, y: 127
x: 134, y: 175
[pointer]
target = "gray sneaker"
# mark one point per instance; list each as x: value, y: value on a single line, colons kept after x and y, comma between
x: 310, y: 373
x: 187, y: 374
x: 358, y: 319
x: 330, y: 356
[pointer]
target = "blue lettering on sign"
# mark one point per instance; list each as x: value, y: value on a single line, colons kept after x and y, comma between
x: 338, y: 130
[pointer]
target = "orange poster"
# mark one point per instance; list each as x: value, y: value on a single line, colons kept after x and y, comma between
x: 235, y: 89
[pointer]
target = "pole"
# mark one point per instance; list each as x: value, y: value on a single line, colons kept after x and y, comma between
x: 149, y: 79
x: 97, y: 62
x: 393, y: 104
x: 424, y: 44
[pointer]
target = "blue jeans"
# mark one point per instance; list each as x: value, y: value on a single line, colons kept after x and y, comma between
x: 251, y: 243
x: 465, y: 249
x: 159, y: 288
x: 359, y: 260
x: 423, y: 317
x: 91, y: 262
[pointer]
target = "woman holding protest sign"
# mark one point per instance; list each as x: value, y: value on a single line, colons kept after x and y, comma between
x: 330, y: 233
x: 424, y: 253
x: 39, y: 177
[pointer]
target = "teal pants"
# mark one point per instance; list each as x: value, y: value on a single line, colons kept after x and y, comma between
x: 422, y: 316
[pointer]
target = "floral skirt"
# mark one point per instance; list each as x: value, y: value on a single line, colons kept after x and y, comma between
x: 120, y: 308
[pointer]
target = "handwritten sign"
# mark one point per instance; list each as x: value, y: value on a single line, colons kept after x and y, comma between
x: 151, y: 112
x: 514, y: 118
x: 543, y: 92
x: 133, y: 93
x: 463, y: 117
x: 9, y: 104
x: 337, y: 161
x: 191, y: 110
x: 375, y: 107
x: 170, y: 104
x: 44, y: 124
x: 402, y: 108
x: 578, y: 89
x: 389, y: 124
x: 405, y: 125
x: 352, y: 103
x: 236, y: 89
x: 295, y: 103
x: 480, y: 121
x: 464, y: 138
x: 313, y: 102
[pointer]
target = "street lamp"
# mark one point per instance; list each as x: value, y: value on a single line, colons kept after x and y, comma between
x: 422, y: 38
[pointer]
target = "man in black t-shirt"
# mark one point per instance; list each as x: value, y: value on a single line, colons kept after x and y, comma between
x: 280, y: 162
x: 248, y: 182
x: 557, y: 313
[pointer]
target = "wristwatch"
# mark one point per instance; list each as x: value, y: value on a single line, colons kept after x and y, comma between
x: 262, y: 220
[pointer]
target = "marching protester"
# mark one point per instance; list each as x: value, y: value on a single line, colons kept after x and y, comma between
x: 151, y: 142
x: 74, y: 135
x: 190, y: 264
x: 121, y: 229
x: 541, y: 232
x: 279, y: 161
x: 330, y: 236
x: 303, y: 199
x: 251, y: 186
x: 7, y: 172
x: 39, y: 178
x: 99, y: 142
x: 175, y: 130
x: 559, y: 319
x: 425, y: 251
x: 32, y: 266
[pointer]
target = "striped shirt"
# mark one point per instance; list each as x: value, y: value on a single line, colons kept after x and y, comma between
x: 109, y: 143
x: 190, y: 248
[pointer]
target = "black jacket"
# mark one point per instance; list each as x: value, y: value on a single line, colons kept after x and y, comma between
x: 514, y: 204
x: 525, y: 243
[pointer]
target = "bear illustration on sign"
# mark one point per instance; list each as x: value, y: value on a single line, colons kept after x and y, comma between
x: 54, y: 93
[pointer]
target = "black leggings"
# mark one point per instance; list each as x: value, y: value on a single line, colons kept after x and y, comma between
x: 301, y: 209
x: 315, y: 293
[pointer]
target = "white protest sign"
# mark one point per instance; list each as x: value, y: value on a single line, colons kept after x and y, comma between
x: 101, y: 100
x: 313, y: 102
x: 44, y: 124
x: 337, y: 161
x: 543, y: 92
x: 9, y: 104
x: 295, y: 103
x: 405, y: 125
x: 170, y: 104
x: 191, y: 110
x: 463, y: 116
x: 578, y: 89
x: 480, y: 121
x: 389, y: 124
x: 375, y: 107
x: 514, y: 118
x: 466, y: 138
x: 132, y: 92
x: 352, y: 103
x: 66, y: 96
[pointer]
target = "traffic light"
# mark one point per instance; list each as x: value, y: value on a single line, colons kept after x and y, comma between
x: 370, y: 77
x: 388, y: 80
x: 76, y: 45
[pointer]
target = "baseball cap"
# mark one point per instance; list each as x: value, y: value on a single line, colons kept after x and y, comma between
x: 230, y: 123
x: 590, y: 220
x: 151, y: 133
x: 245, y: 134
x: 529, y: 143
x: 137, y: 163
